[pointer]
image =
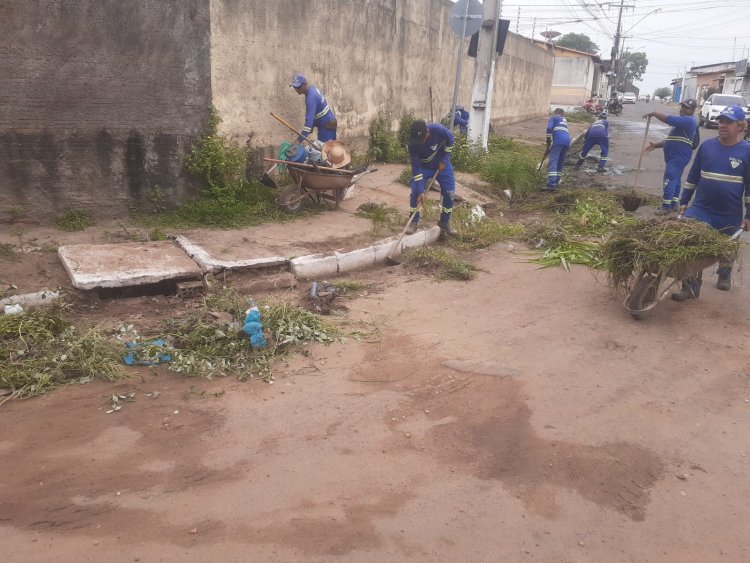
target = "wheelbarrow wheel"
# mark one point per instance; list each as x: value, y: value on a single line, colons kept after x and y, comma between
x: 291, y: 199
x: 644, y: 294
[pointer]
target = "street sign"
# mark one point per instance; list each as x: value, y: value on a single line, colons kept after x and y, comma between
x: 471, y: 14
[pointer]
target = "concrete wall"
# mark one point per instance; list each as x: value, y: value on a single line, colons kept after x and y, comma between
x: 99, y: 100
x: 572, y: 81
x: 367, y: 57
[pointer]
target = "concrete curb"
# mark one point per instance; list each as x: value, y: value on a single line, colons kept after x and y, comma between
x: 320, y: 265
x: 211, y: 265
x: 36, y: 299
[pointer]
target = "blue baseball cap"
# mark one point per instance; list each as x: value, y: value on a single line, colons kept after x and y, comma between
x: 298, y: 80
x: 735, y: 113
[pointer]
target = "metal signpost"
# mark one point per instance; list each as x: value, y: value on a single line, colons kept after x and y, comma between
x: 465, y: 20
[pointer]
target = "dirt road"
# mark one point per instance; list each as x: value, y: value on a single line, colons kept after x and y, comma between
x: 522, y: 416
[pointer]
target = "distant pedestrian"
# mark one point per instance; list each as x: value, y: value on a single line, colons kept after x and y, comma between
x: 462, y: 120
x: 678, y: 149
x: 597, y: 134
x: 430, y: 148
x: 558, y: 142
x: 317, y: 111
x: 720, y: 180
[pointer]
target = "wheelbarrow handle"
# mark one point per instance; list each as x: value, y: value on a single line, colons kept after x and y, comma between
x: 737, y: 234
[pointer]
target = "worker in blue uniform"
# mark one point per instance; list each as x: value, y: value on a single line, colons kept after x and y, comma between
x: 430, y: 147
x: 720, y: 181
x: 461, y: 119
x: 597, y: 134
x: 317, y: 111
x: 678, y: 149
x: 558, y: 142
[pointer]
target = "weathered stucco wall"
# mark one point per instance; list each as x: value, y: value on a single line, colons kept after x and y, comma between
x: 99, y: 99
x: 573, y: 80
x: 367, y: 57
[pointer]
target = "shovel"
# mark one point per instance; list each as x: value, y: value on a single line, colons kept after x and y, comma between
x: 266, y: 179
x: 390, y: 260
x: 546, y: 154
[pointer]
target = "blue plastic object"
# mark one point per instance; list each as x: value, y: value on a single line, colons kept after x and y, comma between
x: 296, y: 153
x: 254, y: 328
x: 132, y: 350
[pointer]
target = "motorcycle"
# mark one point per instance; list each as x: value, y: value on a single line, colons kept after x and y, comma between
x: 614, y: 107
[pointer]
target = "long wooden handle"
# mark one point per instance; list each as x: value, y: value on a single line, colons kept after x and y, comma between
x: 291, y: 128
x: 411, y: 218
x: 640, y: 157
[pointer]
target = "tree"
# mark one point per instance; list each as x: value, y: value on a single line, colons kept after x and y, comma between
x: 579, y: 42
x: 663, y: 92
x: 633, y: 66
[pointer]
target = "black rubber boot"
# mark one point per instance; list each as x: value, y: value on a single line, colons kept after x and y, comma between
x: 725, y: 278
x: 447, y: 229
x: 691, y: 289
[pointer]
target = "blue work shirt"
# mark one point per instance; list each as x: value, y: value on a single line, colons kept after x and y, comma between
x: 557, y: 131
x: 679, y: 142
x: 426, y: 157
x: 317, y: 110
x: 720, y: 180
x: 599, y: 129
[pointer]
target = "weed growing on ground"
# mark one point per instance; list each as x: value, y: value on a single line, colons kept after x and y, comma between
x: 385, y: 144
x: 441, y: 263
x: 157, y: 234
x: 350, y: 286
x: 405, y: 177
x: 383, y: 216
x: 579, y: 117
x: 74, y: 220
x: 7, y: 250
x: 478, y: 231
x: 510, y: 165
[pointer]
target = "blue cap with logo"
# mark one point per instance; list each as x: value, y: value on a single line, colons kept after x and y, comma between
x: 735, y: 113
x: 298, y: 80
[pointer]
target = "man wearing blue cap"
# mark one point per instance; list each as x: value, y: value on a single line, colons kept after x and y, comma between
x: 317, y: 111
x: 462, y: 120
x: 720, y: 181
x: 430, y: 149
x: 597, y: 134
x: 678, y: 149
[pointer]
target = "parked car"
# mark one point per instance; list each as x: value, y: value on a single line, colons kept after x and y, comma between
x: 629, y: 98
x: 715, y: 103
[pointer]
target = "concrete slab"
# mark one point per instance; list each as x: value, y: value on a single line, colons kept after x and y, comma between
x: 90, y: 266
x: 212, y: 265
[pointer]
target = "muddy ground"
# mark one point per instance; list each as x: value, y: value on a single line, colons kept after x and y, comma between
x: 522, y: 416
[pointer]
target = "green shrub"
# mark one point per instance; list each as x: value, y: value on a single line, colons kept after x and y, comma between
x: 74, y: 220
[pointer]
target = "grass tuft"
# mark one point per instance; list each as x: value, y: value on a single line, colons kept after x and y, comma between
x: 74, y: 220
x: 383, y: 217
x: 441, y: 263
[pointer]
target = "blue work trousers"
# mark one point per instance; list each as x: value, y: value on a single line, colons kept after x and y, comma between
x: 672, y: 178
x: 590, y: 143
x: 447, y: 182
x: 556, y: 162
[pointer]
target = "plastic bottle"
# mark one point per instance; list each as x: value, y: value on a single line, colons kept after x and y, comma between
x: 254, y: 328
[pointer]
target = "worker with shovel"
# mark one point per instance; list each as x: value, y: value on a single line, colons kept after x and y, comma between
x: 317, y: 111
x: 720, y: 181
x: 678, y: 149
x: 430, y: 149
x: 558, y: 142
x: 597, y: 134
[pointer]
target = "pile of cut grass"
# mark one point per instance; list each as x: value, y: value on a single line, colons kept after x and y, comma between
x: 665, y: 246
x: 441, y: 263
x: 41, y: 350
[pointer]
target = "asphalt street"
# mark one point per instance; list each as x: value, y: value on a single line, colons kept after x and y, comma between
x: 627, y: 138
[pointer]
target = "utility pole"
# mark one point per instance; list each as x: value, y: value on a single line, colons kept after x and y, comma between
x: 533, y: 29
x: 518, y: 19
x: 615, y: 55
x: 484, y: 73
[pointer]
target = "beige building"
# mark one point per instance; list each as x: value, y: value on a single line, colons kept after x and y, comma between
x: 577, y: 76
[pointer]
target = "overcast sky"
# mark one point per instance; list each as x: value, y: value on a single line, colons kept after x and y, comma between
x: 681, y: 34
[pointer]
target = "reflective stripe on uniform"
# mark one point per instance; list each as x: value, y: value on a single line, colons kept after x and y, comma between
x: 747, y: 199
x: 324, y: 111
x: 413, y: 210
x: 666, y: 202
x: 418, y: 177
x: 680, y: 139
x: 307, y: 129
x: 721, y: 177
x: 447, y: 209
x: 688, y: 186
x: 448, y: 149
x: 429, y: 158
x: 559, y: 128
